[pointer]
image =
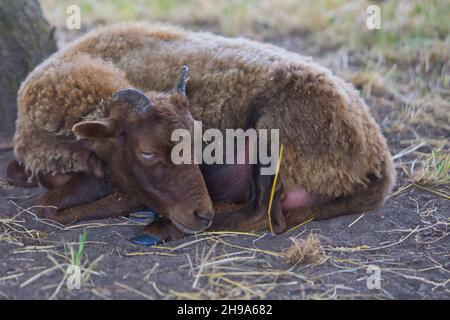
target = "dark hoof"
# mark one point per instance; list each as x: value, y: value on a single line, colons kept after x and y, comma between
x: 146, y: 239
x: 46, y: 212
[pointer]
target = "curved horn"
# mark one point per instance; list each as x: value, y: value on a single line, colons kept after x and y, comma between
x: 181, y: 84
x: 133, y: 97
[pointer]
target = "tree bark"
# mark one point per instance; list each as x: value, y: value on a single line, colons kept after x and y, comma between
x: 26, y: 39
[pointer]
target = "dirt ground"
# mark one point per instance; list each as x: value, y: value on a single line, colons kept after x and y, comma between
x: 408, y: 240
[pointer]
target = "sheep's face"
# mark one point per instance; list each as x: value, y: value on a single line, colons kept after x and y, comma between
x: 135, y: 142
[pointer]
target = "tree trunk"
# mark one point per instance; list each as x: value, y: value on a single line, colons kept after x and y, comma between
x: 26, y: 39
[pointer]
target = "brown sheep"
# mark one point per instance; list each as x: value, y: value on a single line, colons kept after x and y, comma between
x: 335, y: 160
x: 114, y: 167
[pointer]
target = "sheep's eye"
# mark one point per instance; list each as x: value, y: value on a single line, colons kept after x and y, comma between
x: 147, y: 156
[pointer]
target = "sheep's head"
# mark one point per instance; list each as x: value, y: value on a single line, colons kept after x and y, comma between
x: 135, y: 142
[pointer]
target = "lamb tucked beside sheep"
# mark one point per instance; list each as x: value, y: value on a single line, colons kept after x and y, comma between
x: 333, y: 149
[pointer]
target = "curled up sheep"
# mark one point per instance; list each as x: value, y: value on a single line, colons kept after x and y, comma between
x: 95, y: 122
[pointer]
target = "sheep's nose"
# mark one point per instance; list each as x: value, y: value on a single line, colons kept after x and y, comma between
x: 205, y: 216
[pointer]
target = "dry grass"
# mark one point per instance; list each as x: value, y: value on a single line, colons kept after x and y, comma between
x: 431, y: 172
x: 14, y: 230
x: 308, y: 251
x: 251, y: 18
x: 67, y: 268
x: 222, y: 266
x: 224, y: 274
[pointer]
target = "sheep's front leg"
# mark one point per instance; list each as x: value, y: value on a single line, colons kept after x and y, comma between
x: 81, y: 188
x: 111, y: 206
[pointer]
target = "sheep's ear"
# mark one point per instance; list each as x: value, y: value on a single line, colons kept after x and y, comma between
x: 98, y: 129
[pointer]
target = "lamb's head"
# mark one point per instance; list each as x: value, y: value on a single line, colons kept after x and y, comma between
x: 135, y: 141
